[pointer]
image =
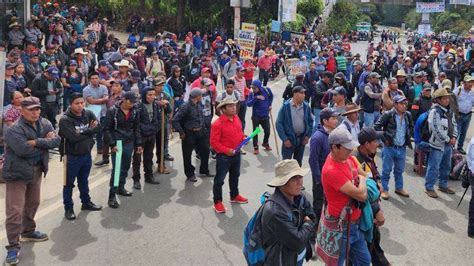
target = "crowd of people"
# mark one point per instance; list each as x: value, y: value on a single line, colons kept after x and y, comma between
x: 71, y: 85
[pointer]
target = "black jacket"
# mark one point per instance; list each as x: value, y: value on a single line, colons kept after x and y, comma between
x: 388, y: 126
x: 288, y: 93
x: 77, y: 132
x: 149, y: 127
x: 285, y: 235
x: 116, y: 127
x: 39, y: 88
x: 423, y: 104
x: 178, y: 86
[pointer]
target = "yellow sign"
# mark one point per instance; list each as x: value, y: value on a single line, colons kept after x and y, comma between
x: 247, y: 39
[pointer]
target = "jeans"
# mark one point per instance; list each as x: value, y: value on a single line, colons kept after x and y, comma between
x: 197, y: 51
x: 316, y: 112
x: 369, y: 119
x: 358, y: 252
x: 127, y: 150
x: 78, y: 166
x: 265, y: 123
x: 50, y: 111
x: 263, y: 76
x: 470, y: 227
x: 148, y: 146
x: 393, y: 158
x: 242, y: 113
x: 439, y: 166
x: 226, y: 164
x: 463, y: 125
x: 294, y: 152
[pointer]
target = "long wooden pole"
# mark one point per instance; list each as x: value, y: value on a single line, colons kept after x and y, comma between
x: 162, y: 144
x: 275, y: 136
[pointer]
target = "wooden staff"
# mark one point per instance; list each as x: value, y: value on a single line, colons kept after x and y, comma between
x: 275, y: 136
x: 162, y: 140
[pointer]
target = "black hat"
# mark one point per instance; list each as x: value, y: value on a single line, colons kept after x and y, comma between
x: 367, y: 135
x: 327, y: 113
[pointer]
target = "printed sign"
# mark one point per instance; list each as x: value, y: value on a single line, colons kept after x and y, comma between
x: 294, y: 67
x: 430, y: 7
x: 247, y: 38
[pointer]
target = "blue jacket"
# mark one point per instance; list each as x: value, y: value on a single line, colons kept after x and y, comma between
x: 318, y: 152
x: 260, y: 107
x: 284, y: 124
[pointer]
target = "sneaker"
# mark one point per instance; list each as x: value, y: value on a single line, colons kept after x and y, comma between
x: 242, y: 152
x: 102, y: 163
x: 384, y: 195
x: 446, y: 190
x: 266, y: 147
x: 124, y: 192
x: 255, y: 151
x: 12, y: 257
x: 431, y: 193
x: 219, y: 207
x: 192, y: 179
x: 113, y: 203
x: 402, y: 193
x: 36, y: 236
x: 239, y: 199
x: 461, y: 151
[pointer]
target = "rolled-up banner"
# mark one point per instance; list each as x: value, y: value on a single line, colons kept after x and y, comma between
x: 118, y: 163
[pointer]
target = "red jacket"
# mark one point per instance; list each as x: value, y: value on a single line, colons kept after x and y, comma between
x: 226, y: 135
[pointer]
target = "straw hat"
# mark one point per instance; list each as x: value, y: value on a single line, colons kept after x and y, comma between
x: 440, y: 93
x: 141, y: 47
x: 226, y: 101
x: 285, y: 170
x: 14, y: 24
x: 401, y: 73
x: 351, y: 108
x: 123, y: 63
x: 80, y: 51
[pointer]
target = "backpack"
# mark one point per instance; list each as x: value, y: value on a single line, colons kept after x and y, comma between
x: 253, y: 250
x: 425, y: 127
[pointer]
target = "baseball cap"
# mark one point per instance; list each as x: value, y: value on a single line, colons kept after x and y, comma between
x: 298, y: 89
x: 327, y: 113
x: 103, y: 63
x: 399, y: 98
x: 10, y: 66
x: 468, y: 78
x: 418, y: 75
x: 427, y: 86
x: 367, y: 135
x: 374, y: 75
x: 30, y: 102
x: 195, y: 93
x: 158, y: 82
x: 136, y: 74
x: 339, y: 90
x: 73, y: 63
x: 357, y: 62
x: 131, y: 96
x: 342, y: 136
x: 205, y: 69
x: 53, y: 71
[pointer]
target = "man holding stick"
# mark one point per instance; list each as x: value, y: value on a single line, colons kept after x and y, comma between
x: 77, y: 128
x: 164, y: 109
x: 122, y: 131
x: 226, y: 135
x: 28, y: 142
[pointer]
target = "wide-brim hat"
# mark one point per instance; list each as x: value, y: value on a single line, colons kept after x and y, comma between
x: 123, y: 63
x: 226, y: 101
x: 401, y: 73
x: 441, y: 93
x: 79, y: 51
x: 351, y: 108
x: 141, y: 47
x: 14, y: 24
x: 285, y: 170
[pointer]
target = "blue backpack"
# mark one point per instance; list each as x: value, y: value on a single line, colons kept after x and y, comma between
x: 253, y: 239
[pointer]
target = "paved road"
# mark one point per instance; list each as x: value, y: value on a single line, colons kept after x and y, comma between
x: 174, y: 223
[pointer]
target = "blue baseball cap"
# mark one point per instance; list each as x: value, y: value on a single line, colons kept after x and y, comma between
x: 53, y: 72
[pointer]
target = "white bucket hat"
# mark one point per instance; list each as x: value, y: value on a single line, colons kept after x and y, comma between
x: 285, y: 170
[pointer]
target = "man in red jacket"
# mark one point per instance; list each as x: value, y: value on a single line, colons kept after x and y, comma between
x: 226, y: 135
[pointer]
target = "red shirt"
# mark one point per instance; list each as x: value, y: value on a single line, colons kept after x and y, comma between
x: 265, y: 63
x: 334, y: 176
x: 249, y: 68
x: 226, y: 134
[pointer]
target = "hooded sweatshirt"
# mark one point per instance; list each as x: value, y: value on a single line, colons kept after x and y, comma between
x: 77, y: 132
x: 260, y: 108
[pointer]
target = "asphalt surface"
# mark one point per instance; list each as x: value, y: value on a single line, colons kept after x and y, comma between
x: 173, y: 223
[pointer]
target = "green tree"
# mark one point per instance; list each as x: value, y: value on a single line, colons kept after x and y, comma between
x: 344, y: 17
x: 310, y: 9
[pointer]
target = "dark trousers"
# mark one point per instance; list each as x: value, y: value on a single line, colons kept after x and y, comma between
x: 50, y: 111
x: 265, y: 123
x: 376, y: 252
x: 242, y: 113
x: 318, y: 200
x: 127, y: 150
x: 148, y: 146
x: 100, y: 135
x: 226, y: 164
x: 263, y: 76
x: 294, y: 152
x: 463, y: 125
x: 78, y: 166
x: 470, y: 228
x: 195, y: 140
x: 21, y: 203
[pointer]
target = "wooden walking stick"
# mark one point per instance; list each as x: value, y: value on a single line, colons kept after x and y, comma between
x: 275, y: 136
x: 162, y: 140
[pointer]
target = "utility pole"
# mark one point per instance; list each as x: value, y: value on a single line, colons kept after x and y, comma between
x: 237, y: 19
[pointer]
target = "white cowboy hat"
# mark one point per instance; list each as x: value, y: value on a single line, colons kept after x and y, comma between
x: 122, y: 63
x: 79, y: 51
x: 285, y: 170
